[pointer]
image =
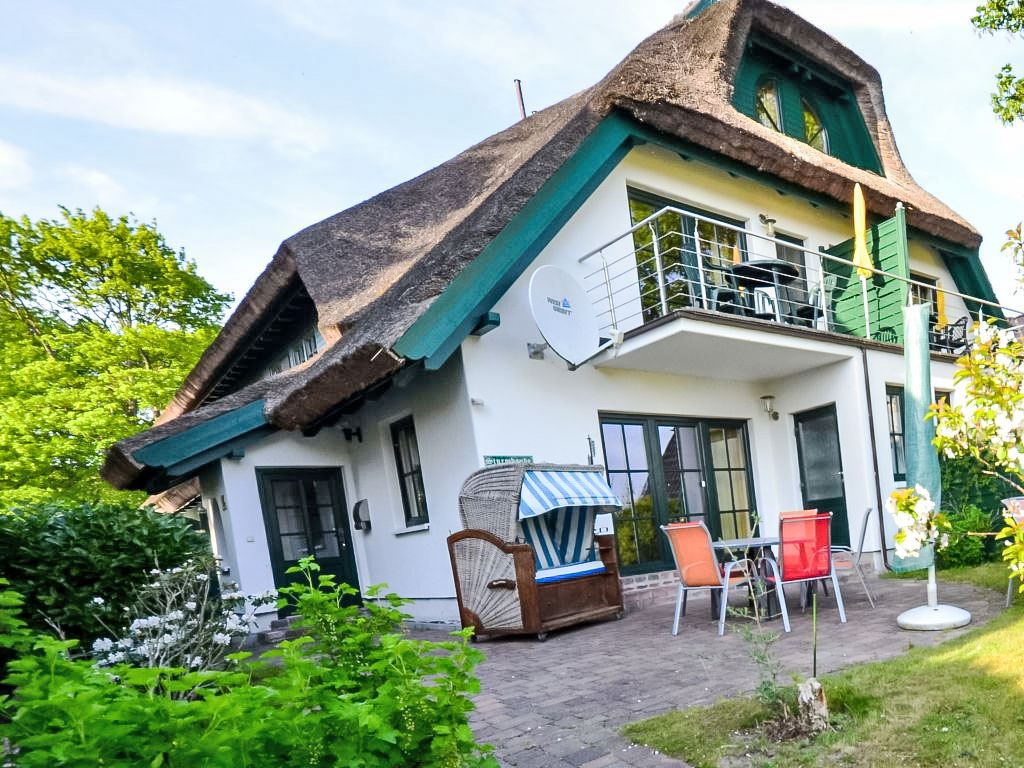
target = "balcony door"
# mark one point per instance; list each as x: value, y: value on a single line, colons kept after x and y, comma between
x: 669, y: 469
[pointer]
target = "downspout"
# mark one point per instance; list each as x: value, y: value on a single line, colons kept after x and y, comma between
x: 874, y: 457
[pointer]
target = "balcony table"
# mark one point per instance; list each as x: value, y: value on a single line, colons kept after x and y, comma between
x: 764, y: 273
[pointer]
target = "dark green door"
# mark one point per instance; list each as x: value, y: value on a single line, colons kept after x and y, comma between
x: 821, y: 467
x: 669, y: 469
x: 304, y: 514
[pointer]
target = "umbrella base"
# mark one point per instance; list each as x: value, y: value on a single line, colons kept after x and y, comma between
x: 928, y: 617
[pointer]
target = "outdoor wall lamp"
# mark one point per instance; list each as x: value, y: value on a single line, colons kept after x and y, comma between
x: 768, y: 401
x: 769, y: 226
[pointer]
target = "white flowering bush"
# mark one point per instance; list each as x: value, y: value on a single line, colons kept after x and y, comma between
x: 179, y: 620
x: 919, y: 524
x: 988, y: 421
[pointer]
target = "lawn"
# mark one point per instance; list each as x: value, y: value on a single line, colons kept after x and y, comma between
x: 959, y: 704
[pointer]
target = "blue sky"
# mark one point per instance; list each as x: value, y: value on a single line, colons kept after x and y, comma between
x: 235, y: 124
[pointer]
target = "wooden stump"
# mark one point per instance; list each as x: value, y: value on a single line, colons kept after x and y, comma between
x: 813, y: 708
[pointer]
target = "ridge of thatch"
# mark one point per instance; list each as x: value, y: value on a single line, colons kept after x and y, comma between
x: 374, y: 269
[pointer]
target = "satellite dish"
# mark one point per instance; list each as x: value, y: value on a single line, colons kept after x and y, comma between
x: 563, y: 314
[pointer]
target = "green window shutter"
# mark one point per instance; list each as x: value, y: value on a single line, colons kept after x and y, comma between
x: 887, y: 245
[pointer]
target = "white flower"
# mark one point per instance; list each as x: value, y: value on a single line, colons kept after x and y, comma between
x: 202, y: 577
x: 190, y: 605
x: 102, y: 645
x: 221, y: 638
x: 115, y: 658
x: 195, y: 662
x: 98, y: 601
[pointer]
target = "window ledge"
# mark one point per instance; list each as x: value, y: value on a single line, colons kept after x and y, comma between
x: 412, y: 529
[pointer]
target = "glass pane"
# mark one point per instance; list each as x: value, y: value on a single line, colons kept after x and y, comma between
x: 734, y: 445
x: 723, y: 485
x: 294, y: 547
x: 321, y: 493
x: 670, y: 469
x: 739, y: 490
x: 819, y: 445
x: 766, y: 106
x: 325, y: 545
x: 323, y: 518
x: 814, y: 131
x: 285, y: 493
x: 636, y: 451
x: 719, y: 456
x: 289, y: 520
x: 729, y: 529
x: 614, y: 447
x: 696, y: 508
x: 688, y: 450
x: 635, y: 525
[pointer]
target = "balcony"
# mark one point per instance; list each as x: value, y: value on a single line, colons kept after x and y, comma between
x: 676, y: 264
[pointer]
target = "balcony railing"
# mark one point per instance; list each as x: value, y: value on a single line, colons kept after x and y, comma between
x: 676, y: 259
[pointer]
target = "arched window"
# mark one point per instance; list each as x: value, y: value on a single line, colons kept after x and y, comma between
x: 814, y: 130
x: 766, y: 106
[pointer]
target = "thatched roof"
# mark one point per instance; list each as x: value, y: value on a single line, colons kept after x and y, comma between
x: 374, y: 269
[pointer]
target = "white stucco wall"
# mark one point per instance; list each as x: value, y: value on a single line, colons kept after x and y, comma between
x: 550, y: 412
x: 413, y: 562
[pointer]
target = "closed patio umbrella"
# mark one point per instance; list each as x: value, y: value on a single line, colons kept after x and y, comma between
x: 861, y: 257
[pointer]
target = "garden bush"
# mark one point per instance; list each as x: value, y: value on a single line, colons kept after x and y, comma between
x: 361, y: 695
x: 62, y: 556
x: 964, y: 549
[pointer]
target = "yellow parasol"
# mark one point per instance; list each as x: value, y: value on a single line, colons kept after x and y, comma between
x: 861, y: 257
x: 940, y: 308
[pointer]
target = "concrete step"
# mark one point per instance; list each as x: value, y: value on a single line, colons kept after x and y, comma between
x: 286, y: 622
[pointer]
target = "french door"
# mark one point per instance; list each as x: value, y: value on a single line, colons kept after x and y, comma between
x: 304, y: 514
x: 669, y: 469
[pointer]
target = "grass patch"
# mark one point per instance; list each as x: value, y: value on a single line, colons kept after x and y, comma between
x: 701, y: 735
x: 959, y: 704
x: 992, y: 575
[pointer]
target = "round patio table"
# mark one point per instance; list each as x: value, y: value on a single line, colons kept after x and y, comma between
x: 765, y: 273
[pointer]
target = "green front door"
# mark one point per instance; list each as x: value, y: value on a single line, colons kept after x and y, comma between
x: 304, y: 514
x: 669, y: 469
x: 821, y: 467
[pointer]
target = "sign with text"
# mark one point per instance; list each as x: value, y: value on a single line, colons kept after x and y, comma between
x: 490, y: 461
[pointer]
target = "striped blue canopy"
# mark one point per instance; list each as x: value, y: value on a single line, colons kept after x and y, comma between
x: 545, y: 490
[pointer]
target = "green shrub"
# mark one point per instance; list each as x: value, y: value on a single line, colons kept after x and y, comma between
x: 964, y: 482
x: 61, y: 557
x: 362, y: 695
x: 963, y: 549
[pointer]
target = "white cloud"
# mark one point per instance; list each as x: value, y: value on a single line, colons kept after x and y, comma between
x: 15, y: 169
x: 163, y: 105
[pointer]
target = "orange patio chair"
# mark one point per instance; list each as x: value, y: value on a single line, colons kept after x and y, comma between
x: 805, y: 554
x: 699, y: 568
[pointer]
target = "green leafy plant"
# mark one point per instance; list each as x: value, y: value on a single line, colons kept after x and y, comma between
x: 355, y: 692
x: 965, y: 549
x: 63, y: 557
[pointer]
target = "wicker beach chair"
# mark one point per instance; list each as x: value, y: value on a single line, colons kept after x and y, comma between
x: 528, y: 561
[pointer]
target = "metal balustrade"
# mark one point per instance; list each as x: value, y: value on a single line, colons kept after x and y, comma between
x: 675, y: 259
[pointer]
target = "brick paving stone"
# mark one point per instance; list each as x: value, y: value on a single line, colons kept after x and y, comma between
x: 561, y: 703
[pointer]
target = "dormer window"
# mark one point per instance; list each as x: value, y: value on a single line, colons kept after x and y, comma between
x: 789, y: 93
x: 766, y: 106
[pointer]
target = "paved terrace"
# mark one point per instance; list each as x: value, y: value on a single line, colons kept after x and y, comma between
x: 560, y: 703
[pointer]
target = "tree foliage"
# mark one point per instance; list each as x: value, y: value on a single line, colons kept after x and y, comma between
x: 100, y: 320
x: 1004, y: 16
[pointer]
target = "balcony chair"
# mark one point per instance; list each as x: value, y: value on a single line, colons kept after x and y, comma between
x: 805, y: 555
x: 699, y: 568
x: 819, y: 305
x: 952, y: 337
x: 855, y: 555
